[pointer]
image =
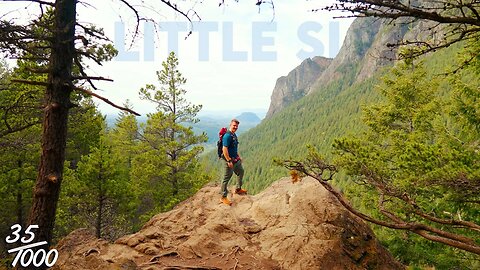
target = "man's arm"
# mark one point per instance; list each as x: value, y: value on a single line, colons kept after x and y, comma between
x: 225, y: 153
x: 227, y: 157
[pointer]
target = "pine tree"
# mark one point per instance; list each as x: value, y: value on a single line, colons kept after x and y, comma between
x: 95, y: 195
x: 174, y: 146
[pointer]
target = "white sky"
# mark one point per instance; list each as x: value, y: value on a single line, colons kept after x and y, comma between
x: 289, y: 34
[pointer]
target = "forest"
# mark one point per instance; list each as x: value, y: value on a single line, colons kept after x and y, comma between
x: 115, y: 179
x: 403, y: 146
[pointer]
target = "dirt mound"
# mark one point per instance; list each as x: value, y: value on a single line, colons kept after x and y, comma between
x: 288, y: 226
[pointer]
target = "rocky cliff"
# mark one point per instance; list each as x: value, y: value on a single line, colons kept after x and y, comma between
x: 297, y: 83
x: 288, y: 226
x: 363, y: 52
x: 367, y: 48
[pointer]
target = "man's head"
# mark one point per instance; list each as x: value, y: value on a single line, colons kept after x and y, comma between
x: 234, y: 125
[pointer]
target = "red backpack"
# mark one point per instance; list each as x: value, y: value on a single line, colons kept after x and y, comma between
x: 220, y: 143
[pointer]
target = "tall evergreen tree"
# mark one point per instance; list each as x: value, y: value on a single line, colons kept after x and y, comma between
x: 95, y: 195
x: 166, y: 132
x: 124, y: 138
x: 125, y: 147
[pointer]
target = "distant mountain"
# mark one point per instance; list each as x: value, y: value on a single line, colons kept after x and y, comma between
x: 229, y: 114
x: 363, y: 53
x: 211, y: 124
x: 248, y: 117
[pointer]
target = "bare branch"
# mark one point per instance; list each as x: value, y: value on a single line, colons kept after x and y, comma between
x: 461, y: 245
x: 459, y: 21
x: 91, y: 78
x: 80, y: 67
x: 36, y: 1
x: 428, y: 232
x: 396, y: 9
x: 90, y: 32
x: 90, y: 93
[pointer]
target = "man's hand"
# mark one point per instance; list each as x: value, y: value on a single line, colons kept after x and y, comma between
x: 230, y: 164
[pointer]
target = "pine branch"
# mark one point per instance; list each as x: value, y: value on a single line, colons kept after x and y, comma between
x: 30, y: 82
x: 395, y: 10
x: 80, y: 67
x: 19, y: 128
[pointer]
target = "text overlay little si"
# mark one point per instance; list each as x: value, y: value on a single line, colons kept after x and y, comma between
x: 223, y: 36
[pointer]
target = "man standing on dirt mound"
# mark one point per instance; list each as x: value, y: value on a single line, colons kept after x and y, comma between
x: 234, y: 162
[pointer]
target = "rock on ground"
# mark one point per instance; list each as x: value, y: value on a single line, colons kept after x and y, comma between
x: 288, y: 226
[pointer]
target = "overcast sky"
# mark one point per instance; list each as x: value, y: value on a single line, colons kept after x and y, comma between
x: 231, y: 60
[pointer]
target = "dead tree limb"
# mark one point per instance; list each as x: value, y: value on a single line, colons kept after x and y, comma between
x: 318, y: 169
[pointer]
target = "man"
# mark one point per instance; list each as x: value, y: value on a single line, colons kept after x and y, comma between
x: 234, y: 163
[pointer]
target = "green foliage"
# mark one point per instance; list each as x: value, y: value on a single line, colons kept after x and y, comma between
x: 85, y: 123
x: 19, y: 106
x: 317, y: 119
x: 167, y: 166
x: 467, y: 95
x: 18, y: 169
x: 416, y: 147
x: 425, y: 109
x: 19, y: 146
x: 124, y: 139
x: 410, y: 103
x: 96, y: 194
x: 124, y: 176
x: 114, y: 180
x: 20, y: 141
x: 169, y: 98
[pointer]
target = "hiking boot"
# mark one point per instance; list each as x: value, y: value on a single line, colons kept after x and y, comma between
x: 240, y: 191
x: 226, y: 201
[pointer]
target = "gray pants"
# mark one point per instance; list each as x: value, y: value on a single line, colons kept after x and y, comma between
x: 238, y: 170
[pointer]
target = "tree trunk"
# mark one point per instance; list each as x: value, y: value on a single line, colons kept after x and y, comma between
x: 174, y: 181
x: 19, y: 194
x: 98, y: 225
x: 101, y: 200
x: 57, y: 99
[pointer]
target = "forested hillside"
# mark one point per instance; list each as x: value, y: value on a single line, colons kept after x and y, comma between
x: 331, y: 109
x: 336, y: 110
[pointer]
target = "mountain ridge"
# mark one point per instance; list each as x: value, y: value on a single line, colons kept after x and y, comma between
x: 364, y: 52
x: 297, y: 83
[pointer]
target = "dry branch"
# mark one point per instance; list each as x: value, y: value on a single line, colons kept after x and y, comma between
x: 426, y: 231
x: 90, y: 93
x: 458, y: 20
